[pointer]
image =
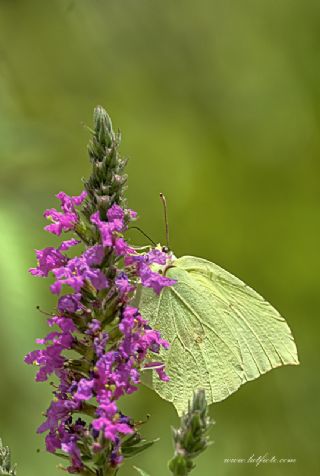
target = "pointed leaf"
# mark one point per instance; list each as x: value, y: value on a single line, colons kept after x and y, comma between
x: 130, y: 451
x: 140, y: 471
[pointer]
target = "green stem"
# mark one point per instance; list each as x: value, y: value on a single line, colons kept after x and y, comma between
x: 87, y: 472
x: 110, y: 471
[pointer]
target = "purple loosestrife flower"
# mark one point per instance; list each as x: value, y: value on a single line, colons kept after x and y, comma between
x: 154, y: 280
x: 99, y: 343
x: 84, y: 389
x: 123, y: 284
x: 48, y: 259
x: 143, y: 265
x: 68, y: 217
x: 115, y: 223
x: 69, y: 303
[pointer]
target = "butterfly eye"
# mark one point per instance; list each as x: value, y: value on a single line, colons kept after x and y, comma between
x: 165, y: 249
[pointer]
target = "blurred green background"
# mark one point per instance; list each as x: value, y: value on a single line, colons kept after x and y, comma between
x: 218, y: 103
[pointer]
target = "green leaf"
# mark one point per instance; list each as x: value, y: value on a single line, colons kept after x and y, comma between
x: 130, y: 451
x: 140, y: 471
x: 221, y: 332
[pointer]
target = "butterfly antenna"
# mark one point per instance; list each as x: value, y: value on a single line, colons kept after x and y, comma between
x: 165, y: 210
x: 44, y: 312
x: 143, y: 233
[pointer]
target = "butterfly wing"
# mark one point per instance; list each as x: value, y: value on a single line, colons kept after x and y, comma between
x: 222, y: 333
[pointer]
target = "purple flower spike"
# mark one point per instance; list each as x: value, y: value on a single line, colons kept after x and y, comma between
x: 98, y: 344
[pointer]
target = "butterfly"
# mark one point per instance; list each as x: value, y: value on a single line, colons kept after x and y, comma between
x: 221, y: 332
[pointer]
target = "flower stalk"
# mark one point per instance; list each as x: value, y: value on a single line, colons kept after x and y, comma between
x: 191, y: 438
x: 107, y: 183
x: 6, y: 468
